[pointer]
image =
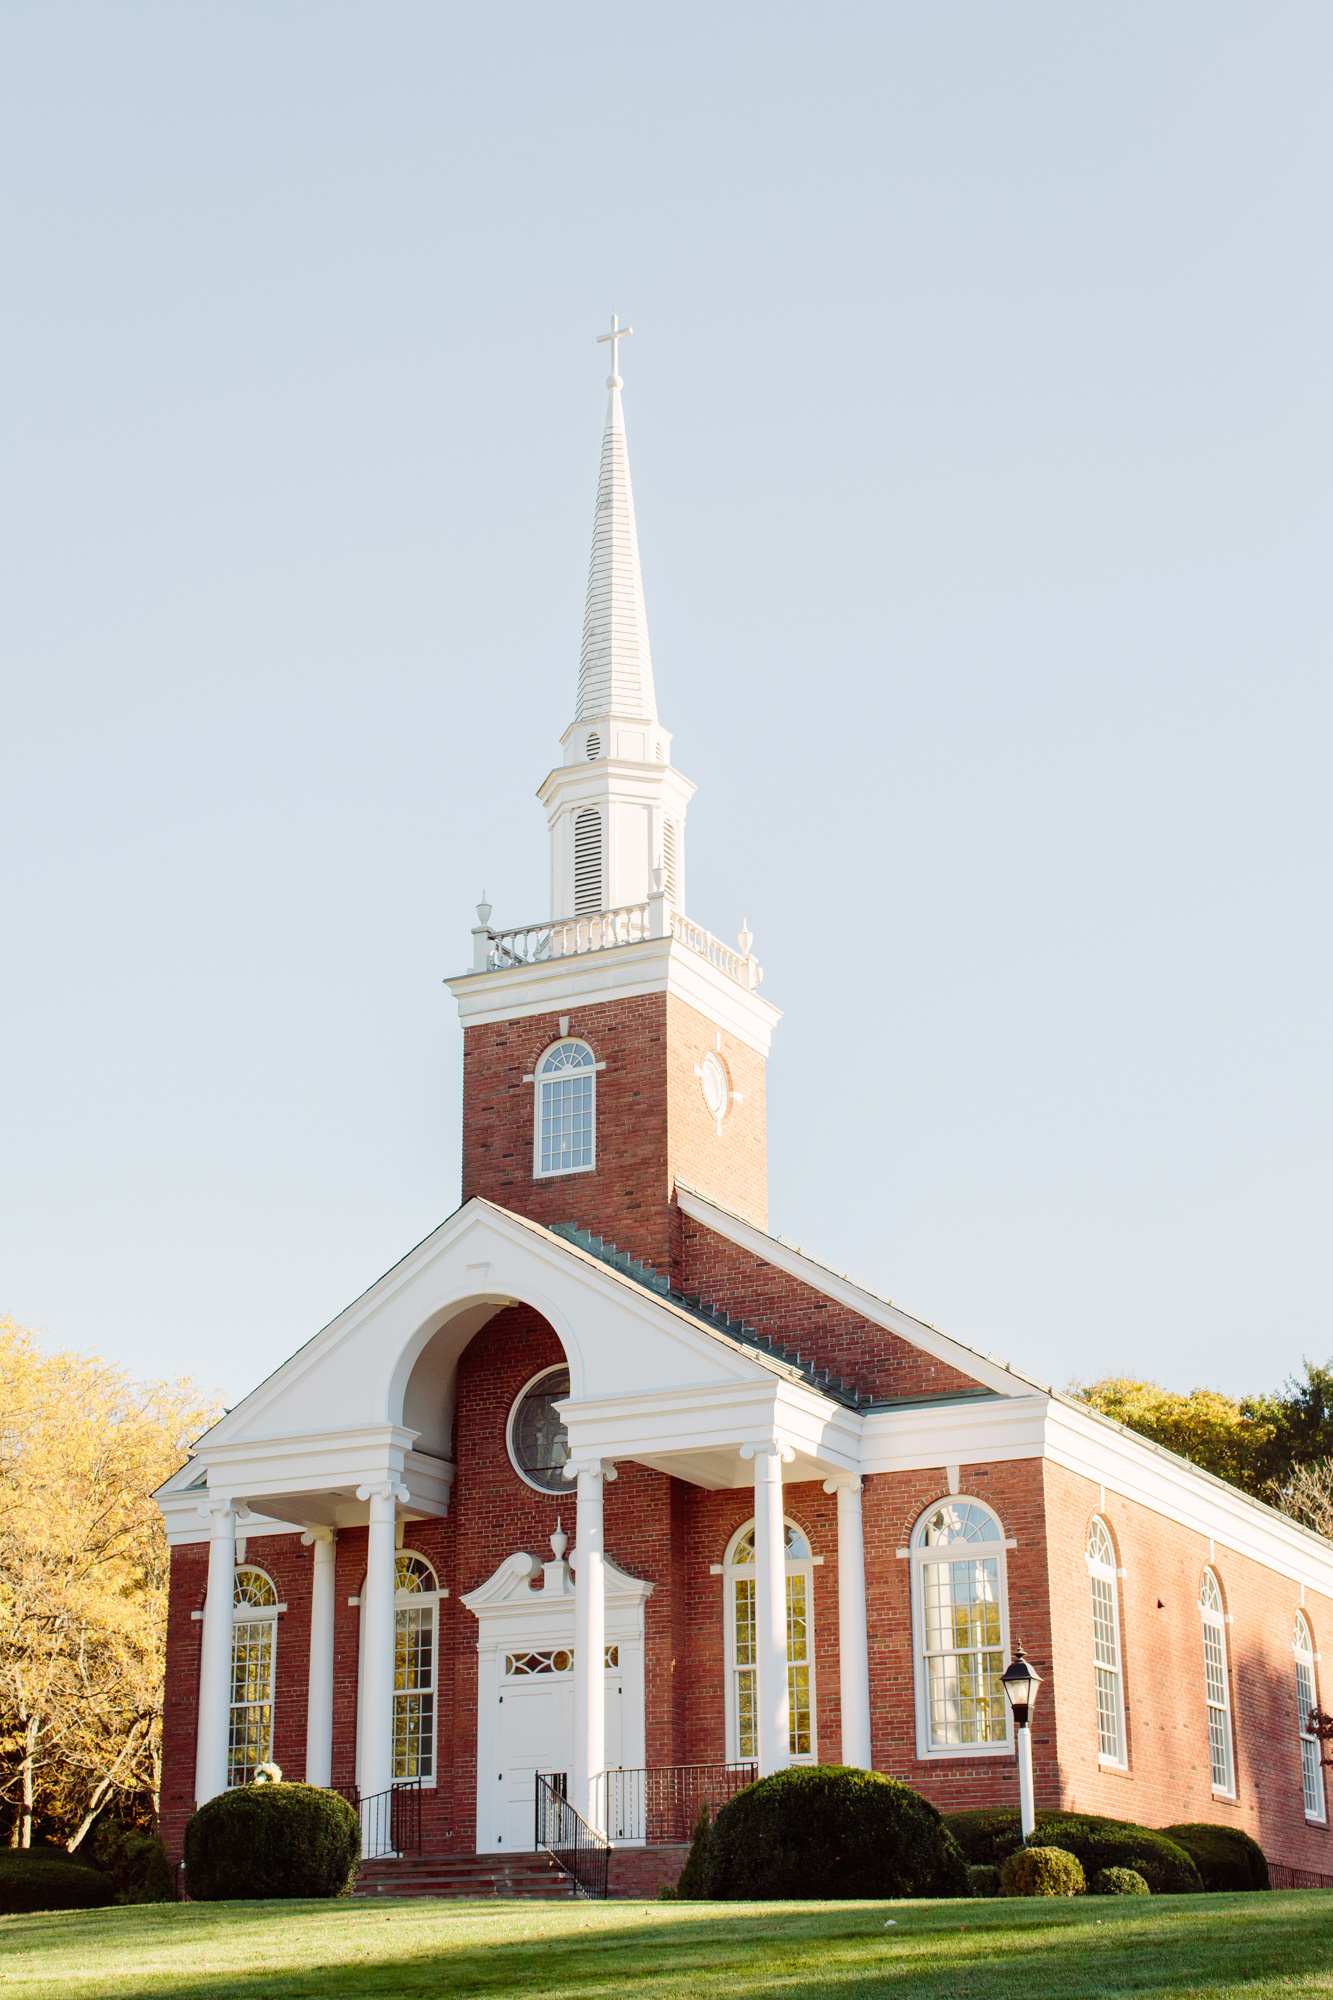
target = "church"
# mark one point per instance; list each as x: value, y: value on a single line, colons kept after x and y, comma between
x: 604, y: 1493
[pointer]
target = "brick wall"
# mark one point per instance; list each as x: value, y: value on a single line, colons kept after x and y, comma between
x: 866, y: 1356
x: 1169, y: 1777
x: 652, y: 1122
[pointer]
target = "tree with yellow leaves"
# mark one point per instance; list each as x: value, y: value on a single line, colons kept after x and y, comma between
x: 83, y: 1579
x: 1221, y: 1435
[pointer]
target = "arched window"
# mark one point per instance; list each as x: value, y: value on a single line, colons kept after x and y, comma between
x: 1307, y: 1700
x: 416, y: 1649
x: 587, y: 862
x: 254, y: 1633
x: 961, y: 1630
x: 1106, y: 1647
x: 742, y: 1648
x: 1215, y: 1685
x: 566, y: 1112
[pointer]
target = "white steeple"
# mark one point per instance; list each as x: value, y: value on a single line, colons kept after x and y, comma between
x: 615, y: 807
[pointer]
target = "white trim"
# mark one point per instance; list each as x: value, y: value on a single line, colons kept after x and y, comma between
x: 406, y: 1600
x: 921, y: 1554
x: 589, y: 1070
x: 1109, y: 1575
x: 1217, y: 1620
x: 1306, y: 1656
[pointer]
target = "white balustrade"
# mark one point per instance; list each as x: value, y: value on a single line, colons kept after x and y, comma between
x: 633, y: 923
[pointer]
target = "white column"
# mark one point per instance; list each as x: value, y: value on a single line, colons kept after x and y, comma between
x: 773, y: 1707
x: 212, y: 1741
x: 853, y: 1650
x: 586, y: 1789
x: 1027, y: 1817
x: 377, y: 1639
x: 319, y: 1692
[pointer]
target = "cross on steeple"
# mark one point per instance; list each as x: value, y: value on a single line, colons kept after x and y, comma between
x: 617, y: 333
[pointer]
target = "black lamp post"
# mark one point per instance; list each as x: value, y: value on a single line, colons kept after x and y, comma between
x: 1020, y: 1681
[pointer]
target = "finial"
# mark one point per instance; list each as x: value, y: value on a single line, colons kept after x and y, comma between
x: 559, y: 1541
x: 618, y: 332
x: 483, y: 910
x: 745, y: 938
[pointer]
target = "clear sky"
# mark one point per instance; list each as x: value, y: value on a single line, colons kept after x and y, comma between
x: 979, y: 413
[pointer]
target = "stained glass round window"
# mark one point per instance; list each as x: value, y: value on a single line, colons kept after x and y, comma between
x: 538, y: 1440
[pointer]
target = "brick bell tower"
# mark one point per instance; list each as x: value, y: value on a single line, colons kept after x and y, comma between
x: 616, y: 1047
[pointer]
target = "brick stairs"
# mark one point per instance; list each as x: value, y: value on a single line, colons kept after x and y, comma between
x: 518, y: 1875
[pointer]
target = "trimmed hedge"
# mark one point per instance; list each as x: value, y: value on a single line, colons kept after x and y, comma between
x: 693, y: 1883
x: 826, y: 1830
x: 982, y: 1879
x: 1118, y: 1882
x: 44, y: 1881
x: 1042, y: 1871
x: 1225, y: 1857
x: 1164, y: 1864
x: 266, y: 1841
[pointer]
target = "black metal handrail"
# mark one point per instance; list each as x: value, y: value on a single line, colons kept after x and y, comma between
x: 583, y: 1853
x: 662, y: 1805
x: 390, y: 1821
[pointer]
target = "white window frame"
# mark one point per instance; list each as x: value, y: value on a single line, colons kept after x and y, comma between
x: 1213, y: 1620
x: 926, y: 1750
x: 1103, y: 1570
x: 1312, y: 1768
x: 547, y: 1492
x: 540, y: 1084
x: 253, y: 1614
x: 731, y: 1572
x: 404, y: 1600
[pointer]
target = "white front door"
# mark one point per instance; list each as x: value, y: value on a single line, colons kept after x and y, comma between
x: 535, y: 1732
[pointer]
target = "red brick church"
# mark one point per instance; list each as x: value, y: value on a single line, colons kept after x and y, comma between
x: 603, y: 1483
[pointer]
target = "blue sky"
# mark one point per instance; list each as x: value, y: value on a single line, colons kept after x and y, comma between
x: 979, y: 412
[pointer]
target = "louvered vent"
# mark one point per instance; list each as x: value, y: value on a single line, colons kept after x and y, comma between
x: 661, y: 755
x: 594, y: 747
x: 587, y: 863
x: 669, y: 859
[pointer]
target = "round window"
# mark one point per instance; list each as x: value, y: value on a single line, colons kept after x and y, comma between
x: 538, y: 1440
x: 713, y: 1082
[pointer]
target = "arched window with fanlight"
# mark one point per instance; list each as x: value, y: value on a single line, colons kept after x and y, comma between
x: 961, y: 1625
x: 416, y: 1602
x: 1106, y: 1667
x: 738, y: 1571
x: 565, y: 1139
x: 1217, y: 1698
x: 1307, y: 1701
x: 254, y: 1645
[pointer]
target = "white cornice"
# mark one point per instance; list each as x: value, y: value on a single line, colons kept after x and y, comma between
x: 623, y: 972
x: 830, y: 1284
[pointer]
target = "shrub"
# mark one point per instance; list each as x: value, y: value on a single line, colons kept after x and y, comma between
x: 983, y: 1879
x: 43, y: 1881
x: 693, y: 1884
x: 136, y: 1862
x: 1225, y: 1857
x: 265, y: 1841
x: 1118, y: 1882
x: 1042, y: 1871
x: 1098, y: 1843
x: 826, y: 1830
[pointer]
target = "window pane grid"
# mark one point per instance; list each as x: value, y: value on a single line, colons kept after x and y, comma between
x: 414, y: 1696
x: 250, y: 1734
x: 963, y: 1660
x: 1105, y: 1652
x: 1312, y: 1772
x: 566, y: 1123
x: 745, y: 1662
x: 1215, y: 1686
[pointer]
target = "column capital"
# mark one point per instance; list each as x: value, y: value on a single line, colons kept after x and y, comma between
x: 319, y: 1535
x: 845, y: 1482
x: 214, y: 1508
x: 596, y: 1468
x: 773, y: 1447
x: 384, y: 1489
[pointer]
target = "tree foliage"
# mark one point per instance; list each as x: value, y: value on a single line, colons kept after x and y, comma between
x: 1259, y: 1443
x: 83, y: 1580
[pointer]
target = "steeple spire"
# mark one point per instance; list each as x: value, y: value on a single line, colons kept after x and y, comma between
x: 616, y: 667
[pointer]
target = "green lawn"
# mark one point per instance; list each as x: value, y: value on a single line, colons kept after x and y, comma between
x: 1256, y: 1946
